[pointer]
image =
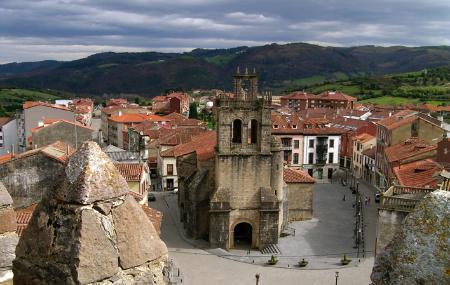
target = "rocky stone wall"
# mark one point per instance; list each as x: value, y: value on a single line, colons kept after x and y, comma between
x: 89, y: 230
x: 389, y: 222
x: 420, y: 251
x: 8, y: 236
x: 64, y: 132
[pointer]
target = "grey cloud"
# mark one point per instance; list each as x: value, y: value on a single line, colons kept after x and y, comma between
x: 68, y: 29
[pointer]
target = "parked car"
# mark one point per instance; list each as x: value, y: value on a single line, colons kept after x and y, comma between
x: 151, y: 197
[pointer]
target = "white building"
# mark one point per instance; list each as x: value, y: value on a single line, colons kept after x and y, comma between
x: 8, y: 135
x: 321, y: 154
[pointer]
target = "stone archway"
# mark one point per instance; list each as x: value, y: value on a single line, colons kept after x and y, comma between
x: 242, y: 235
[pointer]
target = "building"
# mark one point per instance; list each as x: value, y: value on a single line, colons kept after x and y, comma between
x: 118, y: 125
x: 246, y: 206
x: 138, y: 179
x: 300, y: 194
x: 396, y: 129
x: 301, y: 100
x: 28, y: 175
x: 321, y: 152
x: 361, y: 143
x: 166, y: 158
x: 116, y: 109
x: 70, y: 133
x: 369, y: 165
x: 35, y: 113
x: 8, y: 135
x: 175, y: 102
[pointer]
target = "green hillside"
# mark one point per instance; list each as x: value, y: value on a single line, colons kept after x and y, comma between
x: 12, y: 99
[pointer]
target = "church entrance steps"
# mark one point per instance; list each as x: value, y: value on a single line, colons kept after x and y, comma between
x: 271, y: 249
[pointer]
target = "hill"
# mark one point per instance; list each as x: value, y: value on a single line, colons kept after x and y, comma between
x: 280, y: 67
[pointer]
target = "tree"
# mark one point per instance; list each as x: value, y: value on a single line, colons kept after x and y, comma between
x: 193, y: 114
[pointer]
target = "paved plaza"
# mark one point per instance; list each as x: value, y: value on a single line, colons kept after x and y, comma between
x: 322, y: 241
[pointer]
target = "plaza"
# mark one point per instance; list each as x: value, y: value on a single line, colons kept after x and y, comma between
x: 322, y: 241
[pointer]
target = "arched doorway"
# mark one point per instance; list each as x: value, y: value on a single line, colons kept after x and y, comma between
x: 243, y: 235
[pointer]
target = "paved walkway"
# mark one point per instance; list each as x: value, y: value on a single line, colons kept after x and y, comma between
x: 321, y: 241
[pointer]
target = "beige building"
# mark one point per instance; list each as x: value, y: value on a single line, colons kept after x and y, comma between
x: 71, y: 133
x: 138, y: 179
x: 300, y: 194
x: 361, y: 143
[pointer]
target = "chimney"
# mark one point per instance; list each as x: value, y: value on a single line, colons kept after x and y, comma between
x: 120, y: 113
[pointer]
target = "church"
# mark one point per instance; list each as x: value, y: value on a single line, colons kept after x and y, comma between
x: 235, y: 196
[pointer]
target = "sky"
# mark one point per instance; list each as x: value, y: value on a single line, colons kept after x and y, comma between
x: 32, y: 30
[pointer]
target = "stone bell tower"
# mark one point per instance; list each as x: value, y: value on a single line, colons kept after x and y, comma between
x: 245, y: 206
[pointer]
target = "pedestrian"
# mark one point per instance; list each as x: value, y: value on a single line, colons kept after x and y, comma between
x: 368, y: 201
x: 343, y: 198
x: 365, y: 200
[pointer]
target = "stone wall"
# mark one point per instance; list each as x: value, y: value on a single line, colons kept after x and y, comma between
x: 28, y: 178
x: 64, y: 132
x: 389, y: 222
x: 8, y: 236
x: 300, y: 197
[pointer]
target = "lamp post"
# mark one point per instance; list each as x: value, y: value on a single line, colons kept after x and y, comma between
x: 337, y: 276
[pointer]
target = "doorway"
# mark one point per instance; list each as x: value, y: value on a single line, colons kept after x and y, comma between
x: 243, y: 236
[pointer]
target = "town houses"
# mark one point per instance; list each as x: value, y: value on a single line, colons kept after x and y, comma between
x: 243, y: 172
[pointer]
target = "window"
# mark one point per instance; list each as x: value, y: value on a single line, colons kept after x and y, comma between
x: 310, y: 172
x: 295, y: 158
x: 296, y: 144
x: 275, y: 126
x: 169, y: 169
x: 311, y: 143
x: 253, y: 132
x: 286, y: 156
x: 332, y: 143
x: 294, y: 126
x: 311, y: 158
x: 237, y: 131
x: 330, y: 157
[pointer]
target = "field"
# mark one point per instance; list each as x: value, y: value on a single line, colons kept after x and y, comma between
x: 12, y: 99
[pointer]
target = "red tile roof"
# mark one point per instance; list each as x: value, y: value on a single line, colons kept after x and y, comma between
x: 295, y: 175
x: 335, y: 95
x: 419, y: 173
x: 297, y: 95
x: 5, y: 157
x: 57, y: 150
x: 5, y: 120
x: 50, y: 122
x: 407, y: 149
x: 154, y: 216
x: 31, y: 104
x: 136, y: 118
x: 399, y: 119
x: 364, y: 137
x: 203, y: 144
x: 130, y: 171
x: 370, y: 152
x: 179, y: 135
x: 23, y: 217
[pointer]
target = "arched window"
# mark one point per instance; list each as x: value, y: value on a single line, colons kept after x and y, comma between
x: 253, y: 132
x: 237, y: 131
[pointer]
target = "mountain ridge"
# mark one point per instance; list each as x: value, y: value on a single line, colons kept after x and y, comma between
x: 279, y: 67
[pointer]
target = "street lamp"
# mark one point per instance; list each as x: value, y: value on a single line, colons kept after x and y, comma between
x: 257, y: 278
x: 337, y: 276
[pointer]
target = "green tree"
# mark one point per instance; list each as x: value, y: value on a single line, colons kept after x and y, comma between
x: 193, y: 114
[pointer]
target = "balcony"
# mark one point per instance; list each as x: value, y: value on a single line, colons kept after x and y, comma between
x: 321, y: 153
x: 402, y: 198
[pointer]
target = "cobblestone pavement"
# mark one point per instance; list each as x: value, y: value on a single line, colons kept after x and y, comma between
x: 322, y: 241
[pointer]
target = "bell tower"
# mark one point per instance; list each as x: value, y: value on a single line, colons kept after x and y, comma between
x: 245, y: 205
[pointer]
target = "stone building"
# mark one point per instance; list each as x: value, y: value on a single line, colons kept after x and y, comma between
x: 246, y: 204
x: 300, y: 194
x: 71, y: 133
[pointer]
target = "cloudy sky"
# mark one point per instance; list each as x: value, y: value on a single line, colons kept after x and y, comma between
x: 33, y: 30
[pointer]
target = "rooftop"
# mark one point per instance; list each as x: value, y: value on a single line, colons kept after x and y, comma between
x: 136, y: 118
x: 398, y: 119
x: 335, y: 95
x: 31, y: 104
x: 364, y: 137
x: 296, y: 175
x: 130, y: 171
x: 420, y: 173
x: 5, y: 120
x: 202, y: 144
x: 57, y: 150
x: 407, y: 149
